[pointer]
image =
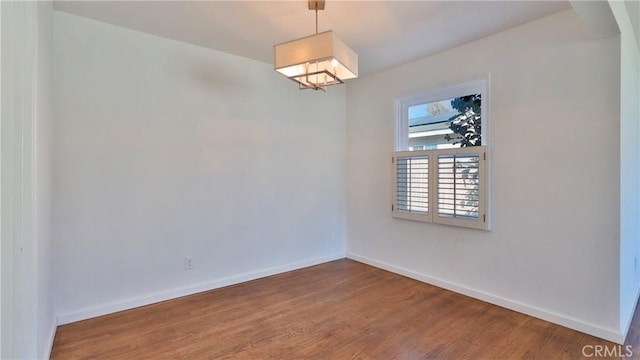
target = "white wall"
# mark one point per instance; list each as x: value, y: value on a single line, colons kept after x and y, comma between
x: 46, y: 319
x: 164, y: 149
x: 633, y: 11
x: 555, y: 138
x: 27, y: 316
x: 629, y: 165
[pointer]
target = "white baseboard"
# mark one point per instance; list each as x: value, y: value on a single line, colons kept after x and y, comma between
x: 104, y: 309
x: 566, y: 321
x: 48, y: 345
x: 629, y: 317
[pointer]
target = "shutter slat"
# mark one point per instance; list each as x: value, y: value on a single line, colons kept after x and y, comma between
x: 458, y: 185
x: 412, y: 184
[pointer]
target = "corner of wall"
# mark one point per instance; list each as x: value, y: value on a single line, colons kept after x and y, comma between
x: 47, y: 340
x: 629, y: 164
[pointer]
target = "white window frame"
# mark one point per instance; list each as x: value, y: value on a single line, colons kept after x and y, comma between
x: 402, y: 105
x: 481, y: 86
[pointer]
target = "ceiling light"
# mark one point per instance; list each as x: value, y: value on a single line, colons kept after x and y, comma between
x: 316, y: 61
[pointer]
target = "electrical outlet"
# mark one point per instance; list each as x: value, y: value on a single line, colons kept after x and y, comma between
x: 188, y: 262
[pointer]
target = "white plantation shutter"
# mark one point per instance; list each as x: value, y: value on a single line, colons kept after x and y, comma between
x: 411, y: 185
x: 458, y: 185
x: 446, y: 186
x: 461, y: 187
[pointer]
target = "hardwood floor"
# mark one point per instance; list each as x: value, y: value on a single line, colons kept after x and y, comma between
x: 338, y: 310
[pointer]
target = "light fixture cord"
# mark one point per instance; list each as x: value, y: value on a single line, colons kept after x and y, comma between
x: 316, y: 17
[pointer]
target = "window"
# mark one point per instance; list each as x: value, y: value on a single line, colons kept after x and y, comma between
x: 440, y: 168
x: 446, y: 118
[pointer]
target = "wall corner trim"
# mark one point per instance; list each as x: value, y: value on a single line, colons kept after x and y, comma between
x: 48, y: 341
x: 626, y: 323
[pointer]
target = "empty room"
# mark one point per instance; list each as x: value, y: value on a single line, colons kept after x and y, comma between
x: 319, y: 179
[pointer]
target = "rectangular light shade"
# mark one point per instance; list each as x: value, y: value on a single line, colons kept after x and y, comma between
x: 316, y: 59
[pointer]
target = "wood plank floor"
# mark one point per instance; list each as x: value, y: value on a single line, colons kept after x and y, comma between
x: 338, y: 310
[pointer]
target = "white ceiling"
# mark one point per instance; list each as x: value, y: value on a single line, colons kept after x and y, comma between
x: 383, y: 33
